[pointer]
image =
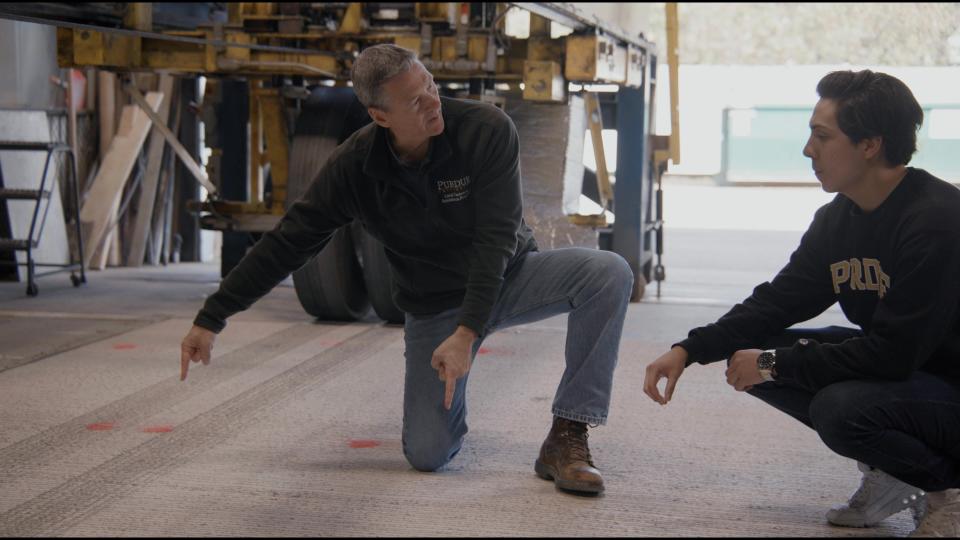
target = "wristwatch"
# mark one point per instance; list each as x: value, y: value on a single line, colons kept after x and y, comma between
x: 767, y: 364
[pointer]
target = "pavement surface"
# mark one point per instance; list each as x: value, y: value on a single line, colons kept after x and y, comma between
x: 294, y: 428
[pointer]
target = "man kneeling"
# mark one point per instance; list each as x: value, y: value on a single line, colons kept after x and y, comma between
x: 437, y: 181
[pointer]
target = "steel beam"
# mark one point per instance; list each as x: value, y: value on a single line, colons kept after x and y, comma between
x: 567, y: 15
x: 632, y: 190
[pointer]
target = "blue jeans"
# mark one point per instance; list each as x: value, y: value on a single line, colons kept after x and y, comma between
x: 909, y: 429
x: 592, y: 286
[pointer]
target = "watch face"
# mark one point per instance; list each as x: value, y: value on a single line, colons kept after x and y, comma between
x: 766, y: 360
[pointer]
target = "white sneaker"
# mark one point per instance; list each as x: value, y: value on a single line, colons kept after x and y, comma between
x: 878, y: 497
x: 943, y: 515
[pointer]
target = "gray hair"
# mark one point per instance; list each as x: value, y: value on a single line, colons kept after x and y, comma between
x: 375, y: 66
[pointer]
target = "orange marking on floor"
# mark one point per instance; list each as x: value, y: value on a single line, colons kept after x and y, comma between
x: 363, y: 443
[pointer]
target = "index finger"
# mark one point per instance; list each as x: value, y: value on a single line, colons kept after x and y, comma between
x: 448, y: 394
x: 184, y: 363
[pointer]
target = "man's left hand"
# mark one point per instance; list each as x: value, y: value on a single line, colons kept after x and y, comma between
x: 452, y: 360
x: 742, y: 373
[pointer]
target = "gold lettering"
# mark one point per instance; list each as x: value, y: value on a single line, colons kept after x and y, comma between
x: 884, y: 283
x: 856, y: 282
x: 871, y: 274
x: 840, y: 272
x: 862, y: 276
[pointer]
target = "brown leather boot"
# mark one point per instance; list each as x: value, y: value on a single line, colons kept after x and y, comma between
x: 565, y: 458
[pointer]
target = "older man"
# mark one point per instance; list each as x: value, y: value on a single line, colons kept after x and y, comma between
x: 437, y: 181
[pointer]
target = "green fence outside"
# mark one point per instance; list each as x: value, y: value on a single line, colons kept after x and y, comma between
x: 765, y: 144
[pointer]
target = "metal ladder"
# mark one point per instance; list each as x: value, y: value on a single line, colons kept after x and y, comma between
x: 39, y: 195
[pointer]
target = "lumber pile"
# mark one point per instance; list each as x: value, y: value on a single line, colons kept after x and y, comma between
x: 126, y: 207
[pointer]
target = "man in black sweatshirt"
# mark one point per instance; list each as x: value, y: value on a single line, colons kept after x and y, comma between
x: 437, y: 181
x: 888, y: 249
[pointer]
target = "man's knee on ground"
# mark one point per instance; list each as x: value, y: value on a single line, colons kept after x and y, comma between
x: 429, y: 457
x: 429, y: 449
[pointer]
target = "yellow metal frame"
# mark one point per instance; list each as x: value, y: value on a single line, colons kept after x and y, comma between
x: 589, y: 58
x: 542, y: 63
x: 673, y: 59
x: 595, y: 122
x: 268, y: 145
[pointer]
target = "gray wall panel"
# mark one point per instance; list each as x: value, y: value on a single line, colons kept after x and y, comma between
x: 28, y: 57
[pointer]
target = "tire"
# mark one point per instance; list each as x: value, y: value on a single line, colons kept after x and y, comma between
x: 378, y: 279
x: 330, y: 285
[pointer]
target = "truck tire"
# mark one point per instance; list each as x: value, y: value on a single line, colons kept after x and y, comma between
x: 330, y: 285
x: 378, y: 279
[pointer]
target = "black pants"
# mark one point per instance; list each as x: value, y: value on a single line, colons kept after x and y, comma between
x: 909, y: 429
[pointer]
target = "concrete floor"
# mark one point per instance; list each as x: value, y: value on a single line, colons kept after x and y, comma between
x: 294, y: 429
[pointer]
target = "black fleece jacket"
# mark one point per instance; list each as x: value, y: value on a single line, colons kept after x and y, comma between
x: 895, y: 272
x: 453, y: 251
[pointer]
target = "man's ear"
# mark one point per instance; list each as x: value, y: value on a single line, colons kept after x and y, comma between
x: 378, y: 116
x: 872, y: 147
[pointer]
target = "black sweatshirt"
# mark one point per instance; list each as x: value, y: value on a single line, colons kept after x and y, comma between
x: 453, y: 251
x: 895, y: 272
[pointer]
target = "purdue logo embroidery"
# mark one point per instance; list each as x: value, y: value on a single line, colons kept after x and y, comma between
x: 865, y: 276
x: 453, y: 190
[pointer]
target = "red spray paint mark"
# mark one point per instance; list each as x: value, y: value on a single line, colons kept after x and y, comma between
x: 484, y: 350
x: 124, y: 346
x: 100, y: 426
x: 363, y: 443
x: 166, y: 428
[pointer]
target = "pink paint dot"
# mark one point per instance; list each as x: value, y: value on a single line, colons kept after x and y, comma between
x: 484, y: 350
x: 124, y: 346
x: 166, y: 428
x: 100, y: 426
x: 363, y: 443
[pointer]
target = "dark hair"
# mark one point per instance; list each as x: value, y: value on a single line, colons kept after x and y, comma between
x: 873, y: 104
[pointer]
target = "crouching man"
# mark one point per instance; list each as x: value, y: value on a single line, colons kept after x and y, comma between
x: 886, y: 393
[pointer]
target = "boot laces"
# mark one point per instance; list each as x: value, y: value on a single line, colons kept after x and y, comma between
x: 574, y: 436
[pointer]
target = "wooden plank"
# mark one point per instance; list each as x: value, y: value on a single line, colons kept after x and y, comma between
x: 167, y: 217
x: 148, y: 187
x: 103, y: 199
x: 113, y: 255
x: 160, y: 240
x: 106, y: 116
x: 106, y: 105
x: 595, y: 121
x: 181, y: 152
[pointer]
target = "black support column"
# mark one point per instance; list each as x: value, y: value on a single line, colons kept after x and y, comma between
x: 186, y: 225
